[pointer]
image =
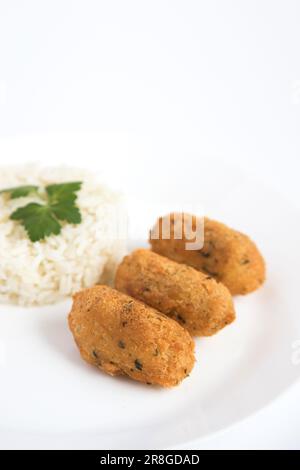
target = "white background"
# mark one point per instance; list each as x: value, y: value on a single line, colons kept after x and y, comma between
x: 167, y: 83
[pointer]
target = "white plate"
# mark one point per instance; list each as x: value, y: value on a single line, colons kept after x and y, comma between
x: 51, y: 399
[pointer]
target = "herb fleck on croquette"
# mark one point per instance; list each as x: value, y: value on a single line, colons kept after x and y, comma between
x: 138, y: 364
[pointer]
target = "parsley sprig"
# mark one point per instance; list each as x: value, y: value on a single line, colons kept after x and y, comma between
x: 43, y: 219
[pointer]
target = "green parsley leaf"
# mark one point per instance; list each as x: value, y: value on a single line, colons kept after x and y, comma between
x: 42, y: 220
x: 38, y: 221
x: 66, y: 211
x: 20, y: 191
x: 62, y: 199
x: 63, y: 191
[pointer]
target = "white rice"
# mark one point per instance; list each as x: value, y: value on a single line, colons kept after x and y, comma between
x: 44, y: 272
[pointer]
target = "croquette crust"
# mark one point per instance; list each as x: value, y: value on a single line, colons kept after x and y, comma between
x: 198, y: 302
x: 228, y: 255
x: 121, y: 335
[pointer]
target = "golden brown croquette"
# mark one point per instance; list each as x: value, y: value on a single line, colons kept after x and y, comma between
x: 121, y: 335
x: 227, y: 255
x: 198, y: 302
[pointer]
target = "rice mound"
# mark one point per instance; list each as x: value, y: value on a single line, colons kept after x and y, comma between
x: 47, y: 271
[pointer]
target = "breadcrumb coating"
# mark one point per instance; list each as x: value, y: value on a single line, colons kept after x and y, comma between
x: 121, y: 335
x: 228, y: 255
x: 198, y: 302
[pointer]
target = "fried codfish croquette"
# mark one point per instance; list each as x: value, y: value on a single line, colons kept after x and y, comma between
x: 227, y: 255
x: 198, y: 302
x: 121, y: 335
